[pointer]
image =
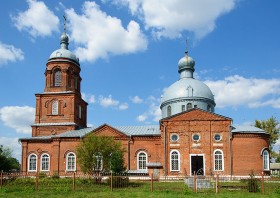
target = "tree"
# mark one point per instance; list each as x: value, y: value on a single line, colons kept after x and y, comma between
x: 99, y: 153
x: 7, y: 162
x: 271, y: 126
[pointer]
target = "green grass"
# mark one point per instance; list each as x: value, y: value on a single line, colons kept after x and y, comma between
x: 48, y: 187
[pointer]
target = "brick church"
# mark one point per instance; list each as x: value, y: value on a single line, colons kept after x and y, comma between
x: 190, y: 138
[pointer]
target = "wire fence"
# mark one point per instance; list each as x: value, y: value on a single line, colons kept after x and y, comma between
x: 72, y: 181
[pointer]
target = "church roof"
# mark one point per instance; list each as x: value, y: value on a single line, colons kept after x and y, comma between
x: 246, y: 129
x: 149, y: 130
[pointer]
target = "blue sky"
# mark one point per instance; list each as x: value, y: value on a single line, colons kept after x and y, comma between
x: 129, y: 52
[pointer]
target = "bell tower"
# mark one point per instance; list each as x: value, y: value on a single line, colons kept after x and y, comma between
x: 60, y: 107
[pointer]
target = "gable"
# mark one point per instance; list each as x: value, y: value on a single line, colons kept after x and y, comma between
x: 196, y: 114
x: 106, y: 130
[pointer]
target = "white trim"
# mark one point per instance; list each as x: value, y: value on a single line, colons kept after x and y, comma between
x: 223, y: 161
x: 170, y: 161
x: 178, y: 137
x: 75, y: 162
x: 204, y: 162
x: 28, y: 162
x: 138, y: 168
x: 41, y: 162
x: 267, y: 160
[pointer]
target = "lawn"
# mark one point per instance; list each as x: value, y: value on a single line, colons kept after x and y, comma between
x: 87, y: 188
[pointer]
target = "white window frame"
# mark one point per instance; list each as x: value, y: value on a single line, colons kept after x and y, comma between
x: 265, y: 156
x: 142, y: 167
x: 99, y: 162
x: 67, y: 161
x: 222, y: 160
x: 36, y: 158
x: 57, y: 78
x: 55, y: 107
x: 48, y: 162
x: 171, y: 160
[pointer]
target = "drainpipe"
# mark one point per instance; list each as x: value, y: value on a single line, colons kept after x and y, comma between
x: 128, y: 152
x: 230, y: 147
x: 164, y: 137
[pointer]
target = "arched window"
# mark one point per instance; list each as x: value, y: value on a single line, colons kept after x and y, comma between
x: 55, y: 107
x: 174, y: 160
x: 218, y: 160
x: 45, y: 162
x: 265, y: 160
x: 70, y: 162
x: 183, y: 108
x: 169, y: 111
x: 57, y: 78
x: 142, y: 161
x: 209, y: 108
x: 189, y: 106
x: 32, y: 162
x: 80, y: 111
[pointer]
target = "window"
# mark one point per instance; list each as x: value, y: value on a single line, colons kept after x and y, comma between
x: 71, y: 162
x: 196, y: 137
x: 76, y: 82
x: 80, y: 111
x: 183, y: 108
x: 195, y: 106
x: 217, y: 137
x: 189, y: 106
x: 218, y: 160
x: 209, y: 108
x: 32, y: 162
x: 45, y: 162
x: 57, y: 78
x: 55, y: 108
x: 142, y: 161
x: 174, y: 161
x: 174, y: 137
x: 98, y: 162
x: 265, y: 160
x: 169, y: 112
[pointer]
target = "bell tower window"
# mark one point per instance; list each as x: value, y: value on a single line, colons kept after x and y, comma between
x: 55, y: 108
x: 189, y: 106
x: 169, y: 111
x: 57, y: 78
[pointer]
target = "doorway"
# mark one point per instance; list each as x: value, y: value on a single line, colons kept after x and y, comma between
x: 197, y: 164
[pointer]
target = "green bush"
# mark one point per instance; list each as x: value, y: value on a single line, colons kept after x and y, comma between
x: 253, y: 185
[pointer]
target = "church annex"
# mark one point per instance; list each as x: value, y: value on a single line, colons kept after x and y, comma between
x: 190, y: 138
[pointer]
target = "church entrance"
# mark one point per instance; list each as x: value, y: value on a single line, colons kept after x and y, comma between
x: 197, y: 164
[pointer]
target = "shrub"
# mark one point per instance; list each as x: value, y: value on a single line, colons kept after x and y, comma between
x: 252, y: 183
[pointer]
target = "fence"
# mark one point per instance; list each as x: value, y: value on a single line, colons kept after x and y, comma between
x: 71, y: 181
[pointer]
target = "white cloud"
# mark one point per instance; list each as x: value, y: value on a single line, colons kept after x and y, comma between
x: 37, y: 20
x: 237, y: 90
x: 136, y: 100
x: 8, y: 53
x: 142, y: 118
x: 123, y: 106
x: 108, y: 101
x: 13, y: 144
x: 18, y: 118
x: 89, y: 98
x: 170, y: 18
x: 98, y: 34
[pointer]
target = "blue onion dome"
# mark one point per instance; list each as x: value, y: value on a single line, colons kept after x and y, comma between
x: 63, y: 52
x: 186, y: 62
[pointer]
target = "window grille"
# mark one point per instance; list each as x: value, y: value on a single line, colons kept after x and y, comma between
x: 55, y: 108
x: 45, y: 161
x: 71, y: 162
x: 57, y: 78
x: 32, y: 162
x: 174, y: 161
x: 218, y: 161
x: 142, y: 161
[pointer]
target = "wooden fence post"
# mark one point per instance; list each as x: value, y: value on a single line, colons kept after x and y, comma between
x: 36, y: 180
x: 74, y: 182
x: 152, y: 173
x: 194, y: 182
x: 111, y: 181
x: 262, y: 182
x: 1, y: 182
x: 217, y: 183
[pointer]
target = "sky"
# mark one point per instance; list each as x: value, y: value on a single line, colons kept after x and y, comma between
x: 129, y: 52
